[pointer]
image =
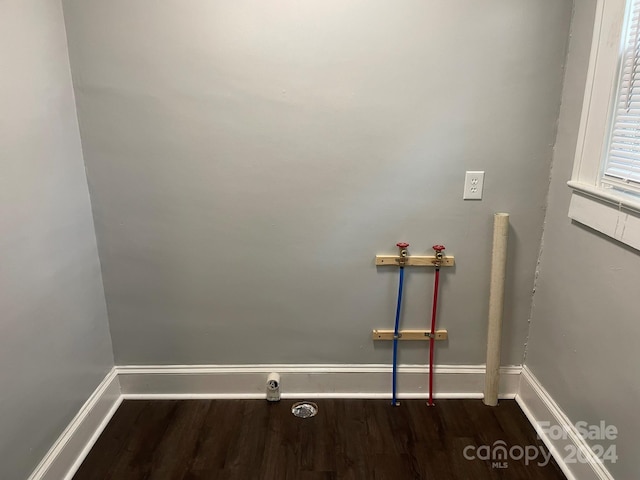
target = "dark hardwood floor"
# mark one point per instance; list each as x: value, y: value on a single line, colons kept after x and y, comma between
x: 348, y: 439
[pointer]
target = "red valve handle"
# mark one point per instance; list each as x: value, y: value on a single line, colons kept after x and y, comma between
x: 438, y: 248
x: 402, y: 245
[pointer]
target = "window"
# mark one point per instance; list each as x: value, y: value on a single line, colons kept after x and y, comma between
x: 622, y: 160
x: 606, y: 176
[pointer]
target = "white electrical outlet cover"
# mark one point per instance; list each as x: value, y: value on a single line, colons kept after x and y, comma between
x: 473, y: 183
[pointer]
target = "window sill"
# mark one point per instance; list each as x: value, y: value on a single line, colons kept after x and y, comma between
x: 615, y: 215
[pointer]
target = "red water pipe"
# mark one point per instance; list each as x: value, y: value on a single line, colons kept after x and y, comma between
x: 432, y: 336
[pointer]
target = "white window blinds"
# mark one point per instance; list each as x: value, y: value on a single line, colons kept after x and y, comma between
x: 622, y: 165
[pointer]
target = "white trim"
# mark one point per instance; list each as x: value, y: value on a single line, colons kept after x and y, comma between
x: 308, y: 381
x: 609, y: 211
x: 620, y: 200
x: 601, y: 83
x: 606, y: 217
x: 248, y: 382
x: 539, y: 406
x: 67, y: 453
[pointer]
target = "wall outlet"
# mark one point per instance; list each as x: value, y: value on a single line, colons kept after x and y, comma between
x: 473, y: 183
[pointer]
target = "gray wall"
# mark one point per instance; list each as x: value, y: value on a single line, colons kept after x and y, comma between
x: 248, y: 159
x: 54, y: 338
x: 585, y: 325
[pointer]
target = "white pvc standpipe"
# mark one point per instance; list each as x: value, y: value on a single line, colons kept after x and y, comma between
x: 496, y: 307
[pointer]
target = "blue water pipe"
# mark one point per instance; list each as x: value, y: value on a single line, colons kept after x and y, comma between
x: 395, y: 338
x: 396, y: 330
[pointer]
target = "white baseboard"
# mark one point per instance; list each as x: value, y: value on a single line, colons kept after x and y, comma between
x: 67, y: 453
x: 308, y: 381
x: 247, y: 382
x: 539, y: 407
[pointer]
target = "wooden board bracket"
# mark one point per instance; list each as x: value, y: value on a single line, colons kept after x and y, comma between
x: 414, y: 261
x: 379, y: 334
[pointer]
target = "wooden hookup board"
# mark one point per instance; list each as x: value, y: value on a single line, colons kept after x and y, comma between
x: 380, y: 334
x: 414, y: 261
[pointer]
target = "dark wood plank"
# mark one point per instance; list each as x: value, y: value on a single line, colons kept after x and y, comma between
x: 348, y: 439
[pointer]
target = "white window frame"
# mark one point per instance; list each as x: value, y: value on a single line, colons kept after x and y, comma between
x: 609, y: 211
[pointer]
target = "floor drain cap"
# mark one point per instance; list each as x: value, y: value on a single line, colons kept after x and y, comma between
x: 304, y: 409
